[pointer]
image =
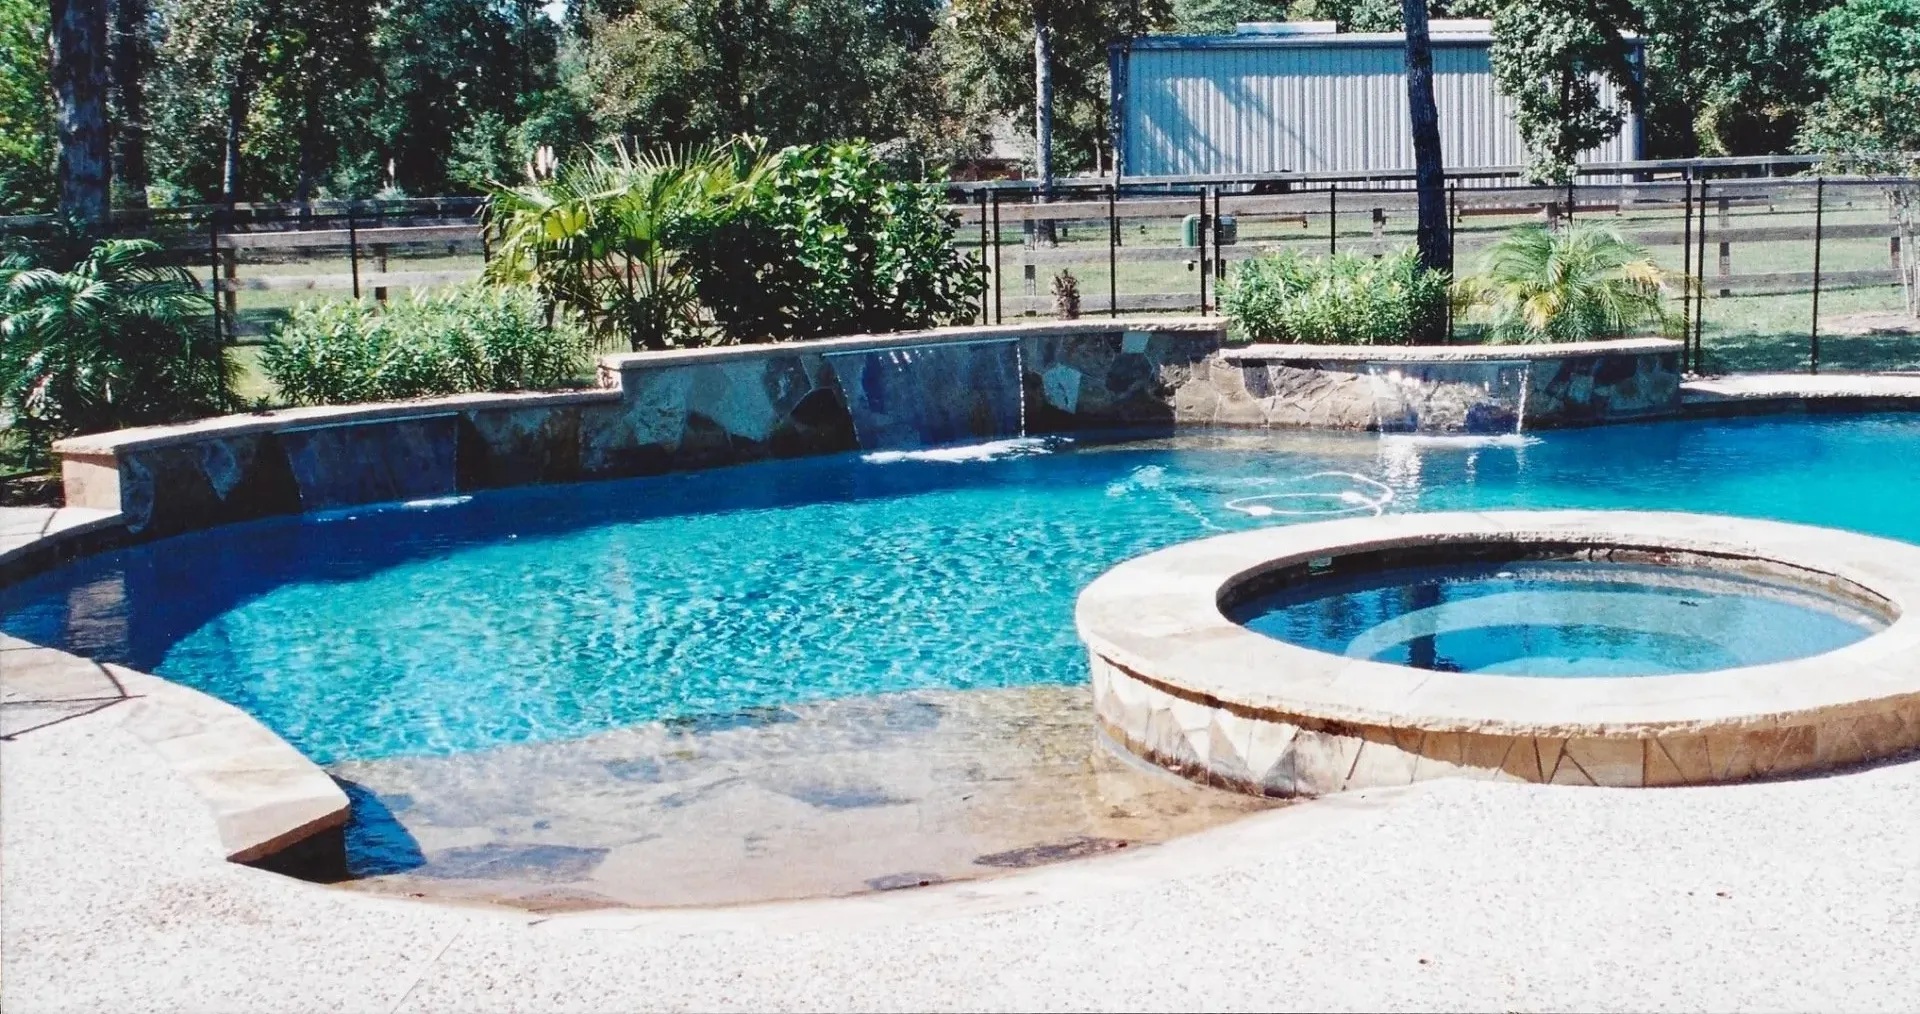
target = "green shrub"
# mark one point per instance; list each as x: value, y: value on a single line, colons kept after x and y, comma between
x: 478, y: 338
x: 122, y: 339
x: 827, y: 240
x: 1347, y: 299
x: 599, y: 236
x: 1582, y: 283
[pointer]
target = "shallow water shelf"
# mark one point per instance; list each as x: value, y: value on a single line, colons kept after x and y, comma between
x: 1597, y: 648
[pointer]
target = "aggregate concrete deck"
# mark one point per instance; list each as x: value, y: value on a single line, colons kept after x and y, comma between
x: 1450, y: 895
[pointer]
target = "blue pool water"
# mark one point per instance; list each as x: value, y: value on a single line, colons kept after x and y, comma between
x: 1557, y: 619
x: 555, y: 612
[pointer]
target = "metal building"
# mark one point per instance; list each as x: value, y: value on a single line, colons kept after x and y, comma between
x: 1300, y: 97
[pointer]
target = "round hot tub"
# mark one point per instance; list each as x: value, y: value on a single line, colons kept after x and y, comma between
x: 1602, y: 648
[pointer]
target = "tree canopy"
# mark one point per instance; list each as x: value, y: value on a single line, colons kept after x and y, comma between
x: 272, y: 99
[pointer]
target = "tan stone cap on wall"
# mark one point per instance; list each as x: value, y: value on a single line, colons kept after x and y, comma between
x: 1445, y: 353
x: 1158, y: 616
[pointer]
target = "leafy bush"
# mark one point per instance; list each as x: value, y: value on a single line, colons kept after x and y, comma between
x: 479, y: 338
x: 121, y: 339
x: 1582, y: 283
x: 599, y: 236
x: 1347, y: 299
x: 827, y: 240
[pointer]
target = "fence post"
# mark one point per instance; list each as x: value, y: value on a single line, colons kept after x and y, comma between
x: 1453, y: 225
x: 1725, y: 221
x: 999, y: 312
x: 213, y: 270
x: 1113, y: 256
x: 1819, y: 229
x: 1219, y: 266
x: 353, y: 248
x: 1700, y: 308
x: 1333, y: 219
x: 1686, y: 280
x: 985, y: 307
x: 1200, y: 242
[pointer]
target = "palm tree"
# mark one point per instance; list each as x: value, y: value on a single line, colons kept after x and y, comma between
x: 1581, y: 283
x: 597, y: 236
x: 123, y: 339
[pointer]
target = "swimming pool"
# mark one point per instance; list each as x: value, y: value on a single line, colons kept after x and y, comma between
x: 550, y: 613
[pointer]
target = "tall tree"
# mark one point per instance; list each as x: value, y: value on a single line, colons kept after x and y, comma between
x: 987, y: 52
x: 1549, y: 57
x: 26, y: 124
x: 77, y: 70
x: 132, y: 52
x: 1042, y: 99
x: 1869, y: 60
x: 793, y: 71
x: 1429, y: 163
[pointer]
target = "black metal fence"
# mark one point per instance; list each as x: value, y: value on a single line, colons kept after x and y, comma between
x: 1784, y: 270
x: 1772, y: 272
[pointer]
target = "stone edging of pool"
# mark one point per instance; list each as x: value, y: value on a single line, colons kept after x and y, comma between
x: 271, y: 805
x: 1177, y: 682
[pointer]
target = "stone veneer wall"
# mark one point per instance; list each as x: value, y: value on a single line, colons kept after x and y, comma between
x: 1434, y: 389
x: 678, y: 410
x: 655, y: 412
x: 1281, y: 754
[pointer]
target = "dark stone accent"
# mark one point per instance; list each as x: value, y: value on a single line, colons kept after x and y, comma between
x: 818, y: 424
x: 705, y: 445
x: 1055, y: 852
x: 517, y: 447
x: 1614, y: 369
x: 168, y: 490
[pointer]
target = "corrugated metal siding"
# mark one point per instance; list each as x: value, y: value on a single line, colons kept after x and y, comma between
x: 1299, y: 108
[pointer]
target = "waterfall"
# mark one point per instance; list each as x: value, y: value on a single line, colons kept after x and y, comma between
x: 1487, y: 397
x: 929, y: 395
x: 345, y: 464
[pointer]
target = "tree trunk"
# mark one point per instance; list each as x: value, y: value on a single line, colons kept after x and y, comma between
x: 236, y: 127
x: 1042, y: 231
x: 1042, y: 100
x: 1429, y: 166
x: 131, y: 50
x: 77, y: 72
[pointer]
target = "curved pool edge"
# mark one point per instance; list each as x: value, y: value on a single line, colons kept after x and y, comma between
x: 271, y: 805
x: 256, y: 826
x: 1182, y: 685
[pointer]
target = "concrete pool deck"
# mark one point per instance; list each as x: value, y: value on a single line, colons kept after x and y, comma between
x: 115, y: 895
x: 1450, y: 895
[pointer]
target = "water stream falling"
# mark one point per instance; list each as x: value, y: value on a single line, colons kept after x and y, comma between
x: 1478, y: 398
x: 345, y: 464
x: 933, y: 395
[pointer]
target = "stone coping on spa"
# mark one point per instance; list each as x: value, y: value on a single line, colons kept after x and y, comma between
x: 1159, y: 616
x: 265, y: 796
x: 1179, y: 684
x: 1271, y: 352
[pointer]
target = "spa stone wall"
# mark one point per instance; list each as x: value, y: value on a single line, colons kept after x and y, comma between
x: 1450, y: 390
